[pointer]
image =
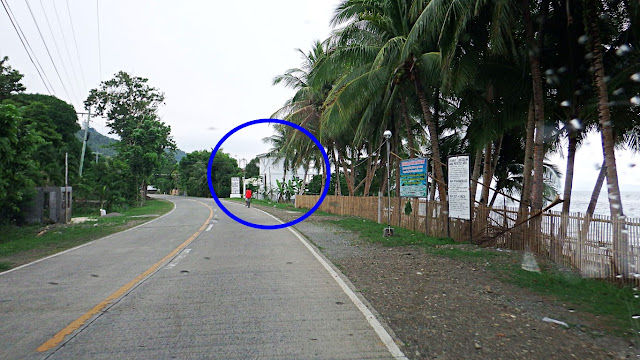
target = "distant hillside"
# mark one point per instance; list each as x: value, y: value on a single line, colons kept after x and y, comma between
x: 98, y: 142
x: 101, y: 144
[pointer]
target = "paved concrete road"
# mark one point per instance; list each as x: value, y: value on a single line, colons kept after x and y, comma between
x: 228, y: 292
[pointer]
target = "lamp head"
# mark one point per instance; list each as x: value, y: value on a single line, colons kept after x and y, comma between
x: 387, y: 134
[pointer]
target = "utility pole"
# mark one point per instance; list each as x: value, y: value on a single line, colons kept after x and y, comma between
x: 84, y: 141
x: 388, y: 231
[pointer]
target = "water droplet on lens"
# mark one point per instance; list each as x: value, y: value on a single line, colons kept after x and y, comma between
x: 607, y: 79
x: 623, y: 50
x: 589, y: 56
x: 583, y: 39
x: 565, y: 103
x: 618, y: 91
x: 631, y: 165
x: 636, y: 77
x: 635, y: 100
x: 576, y: 124
x: 618, y: 276
x: 636, y: 296
x: 604, y: 16
x: 548, y: 72
x: 597, y: 166
x: 562, y: 70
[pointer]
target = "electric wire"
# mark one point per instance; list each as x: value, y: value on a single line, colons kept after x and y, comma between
x: 99, y: 47
x: 47, y: 48
x: 66, y: 46
x: 31, y: 49
x: 16, y: 26
x: 57, y: 49
x: 75, y: 41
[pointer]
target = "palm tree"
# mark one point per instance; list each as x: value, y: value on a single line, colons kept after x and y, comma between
x: 591, y: 18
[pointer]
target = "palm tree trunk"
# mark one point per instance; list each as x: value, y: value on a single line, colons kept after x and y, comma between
x: 407, y: 125
x: 486, y: 175
x: 496, y: 155
x: 476, y: 174
x: 525, y: 198
x: 620, y: 246
x: 594, y: 200
x: 538, y: 106
x: 435, y: 147
x: 568, y: 181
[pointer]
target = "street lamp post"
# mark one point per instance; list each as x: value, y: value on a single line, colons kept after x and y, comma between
x: 388, y: 231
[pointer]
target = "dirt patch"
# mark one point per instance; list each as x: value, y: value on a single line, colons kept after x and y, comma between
x: 444, y: 308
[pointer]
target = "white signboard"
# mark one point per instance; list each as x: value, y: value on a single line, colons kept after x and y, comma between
x: 235, y: 187
x: 459, y: 198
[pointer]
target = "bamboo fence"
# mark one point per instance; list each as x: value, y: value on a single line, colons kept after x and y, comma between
x: 598, y: 246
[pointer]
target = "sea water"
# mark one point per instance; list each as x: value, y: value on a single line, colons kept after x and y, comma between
x: 630, y: 203
x: 580, y: 201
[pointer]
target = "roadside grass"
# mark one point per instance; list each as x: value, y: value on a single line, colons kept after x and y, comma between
x: 615, y: 305
x: 20, y: 245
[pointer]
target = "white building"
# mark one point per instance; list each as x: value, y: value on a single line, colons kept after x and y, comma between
x: 272, y: 170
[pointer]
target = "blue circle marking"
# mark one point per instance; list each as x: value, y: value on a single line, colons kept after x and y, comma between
x: 270, y: 121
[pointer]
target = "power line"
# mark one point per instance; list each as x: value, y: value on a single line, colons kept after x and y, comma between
x: 31, y: 49
x: 47, y: 48
x: 99, y: 48
x: 55, y: 45
x: 73, y: 31
x: 66, y: 46
x: 23, y: 44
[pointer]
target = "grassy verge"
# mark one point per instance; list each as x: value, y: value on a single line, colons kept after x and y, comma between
x: 20, y: 245
x: 614, y: 304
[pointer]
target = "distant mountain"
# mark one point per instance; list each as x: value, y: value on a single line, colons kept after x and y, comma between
x: 179, y: 154
x: 99, y: 143
x: 102, y: 144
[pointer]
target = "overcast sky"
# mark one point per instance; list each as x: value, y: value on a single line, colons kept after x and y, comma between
x: 213, y: 60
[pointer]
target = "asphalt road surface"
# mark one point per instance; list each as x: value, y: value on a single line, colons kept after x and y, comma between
x: 193, y: 284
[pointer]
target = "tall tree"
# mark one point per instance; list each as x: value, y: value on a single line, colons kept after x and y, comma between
x: 9, y: 80
x: 130, y: 106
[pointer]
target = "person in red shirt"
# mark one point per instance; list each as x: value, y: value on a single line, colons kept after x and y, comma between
x: 247, y: 197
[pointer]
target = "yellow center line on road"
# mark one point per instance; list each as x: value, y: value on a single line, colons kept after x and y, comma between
x: 79, y: 322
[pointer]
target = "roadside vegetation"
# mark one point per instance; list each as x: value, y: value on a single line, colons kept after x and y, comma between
x: 618, y: 305
x: 20, y: 245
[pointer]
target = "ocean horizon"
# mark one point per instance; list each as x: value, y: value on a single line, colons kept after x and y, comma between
x: 580, y: 201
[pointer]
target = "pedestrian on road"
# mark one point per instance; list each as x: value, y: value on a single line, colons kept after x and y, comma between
x: 247, y: 197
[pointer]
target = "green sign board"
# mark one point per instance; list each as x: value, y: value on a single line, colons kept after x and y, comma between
x: 413, y: 178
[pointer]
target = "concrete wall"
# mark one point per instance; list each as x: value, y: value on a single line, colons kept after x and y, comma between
x: 272, y: 170
x: 51, y: 204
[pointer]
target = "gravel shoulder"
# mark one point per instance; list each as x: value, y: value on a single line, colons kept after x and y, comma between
x: 444, y: 308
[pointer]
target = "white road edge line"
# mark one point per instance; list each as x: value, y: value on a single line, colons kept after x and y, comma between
x: 83, y: 245
x: 373, y: 321
x: 177, y: 259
